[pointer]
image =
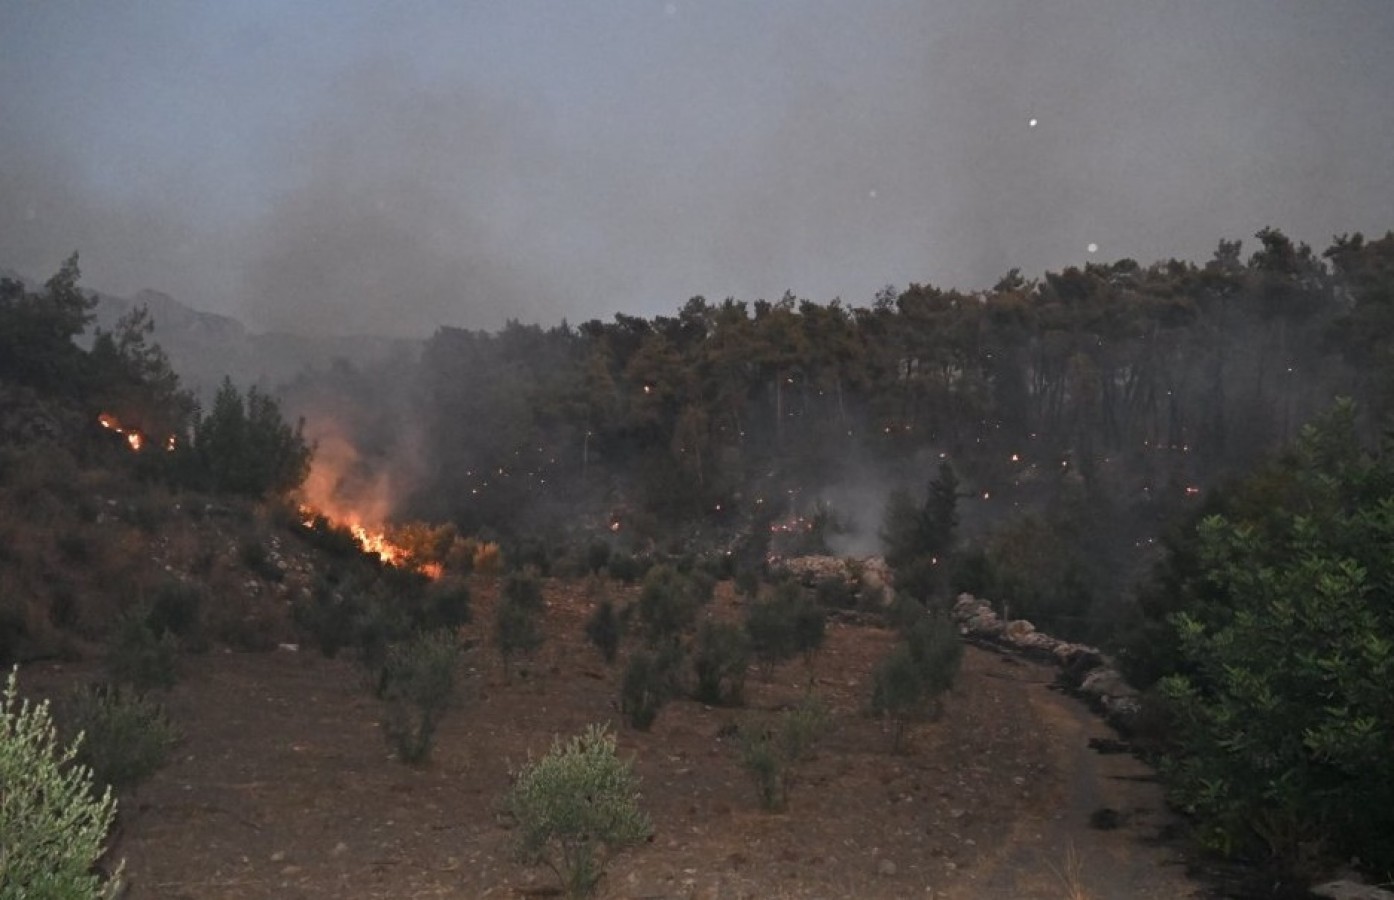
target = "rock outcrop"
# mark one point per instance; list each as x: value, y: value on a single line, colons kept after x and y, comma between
x: 1082, y: 668
x: 867, y: 576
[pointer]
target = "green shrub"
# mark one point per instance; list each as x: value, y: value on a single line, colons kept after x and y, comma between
x: 125, y: 737
x: 380, y: 620
x: 626, y: 567
x: 603, y: 629
x: 325, y: 617
x: 530, y: 555
x: 51, y: 825
x: 516, y: 629
x: 140, y: 658
x: 575, y: 807
x: 177, y: 608
x: 669, y: 602
x: 911, y: 681
x: 773, y: 753
x: 597, y: 556
x: 524, y: 588
x: 898, y: 693
x: 937, y: 652
x: 418, y: 685
x: 643, y: 691
x: 785, y: 625
x: 446, y: 604
x: 720, y: 662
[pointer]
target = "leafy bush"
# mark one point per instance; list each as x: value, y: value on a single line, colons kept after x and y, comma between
x: 720, y: 662
x: 446, y: 604
x: 524, y: 588
x: 325, y: 617
x: 575, y: 807
x: 919, y: 537
x: 597, y: 556
x: 910, y: 682
x: 125, y: 737
x: 785, y: 625
x: 418, y: 685
x: 52, y: 824
x: 140, y: 658
x: 177, y: 608
x: 1279, y: 693
x: 898, y: 692
x: 937, y: 652
x: 603, y: 629
x: 626, y: 567
x: 644, y: 690
x: 773, y: 753
x: 669, y: 602
x: 516, y: 629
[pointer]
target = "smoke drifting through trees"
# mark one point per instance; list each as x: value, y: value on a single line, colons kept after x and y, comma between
x: 1103, y: 399
x: 463, y: 164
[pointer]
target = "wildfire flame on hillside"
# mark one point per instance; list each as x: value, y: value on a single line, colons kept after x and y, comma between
x: 349, y: 495
x: 134, y: 438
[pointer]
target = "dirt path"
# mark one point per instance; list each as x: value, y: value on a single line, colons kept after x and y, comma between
x: 1053, y: 850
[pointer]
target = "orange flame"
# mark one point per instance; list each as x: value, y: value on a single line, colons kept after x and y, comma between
x: 374, y: 541
x: 134, y: 438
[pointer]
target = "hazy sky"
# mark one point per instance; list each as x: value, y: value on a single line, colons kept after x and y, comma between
x: 388, y: 167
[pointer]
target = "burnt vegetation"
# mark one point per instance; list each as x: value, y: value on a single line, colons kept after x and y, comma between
x: 1153, y: 459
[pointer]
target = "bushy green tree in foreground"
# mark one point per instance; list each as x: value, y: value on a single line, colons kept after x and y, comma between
x: 576, y: 806
x: 1283, y: 716
x: 51, y: 827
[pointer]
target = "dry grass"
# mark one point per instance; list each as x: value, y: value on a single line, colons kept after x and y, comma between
x: 1071, y: 875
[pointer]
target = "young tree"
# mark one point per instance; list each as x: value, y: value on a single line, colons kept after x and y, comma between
x: 576, y: 807
x: 1280, y: 694
x: 418, y: 685
x: 246, y: 447
x: 919, y: 539
x: 52, y: 825
x: 788, y: 623
x: 37, y: 332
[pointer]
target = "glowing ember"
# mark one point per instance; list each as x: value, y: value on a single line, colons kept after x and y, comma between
x: 134, y: 438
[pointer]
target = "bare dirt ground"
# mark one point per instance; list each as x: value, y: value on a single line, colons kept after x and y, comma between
x: 284, y: 786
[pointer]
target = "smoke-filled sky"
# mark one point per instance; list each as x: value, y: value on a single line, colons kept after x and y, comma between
x: 355, y: 166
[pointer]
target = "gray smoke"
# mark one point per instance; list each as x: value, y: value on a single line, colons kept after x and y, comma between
x: 360, y: 168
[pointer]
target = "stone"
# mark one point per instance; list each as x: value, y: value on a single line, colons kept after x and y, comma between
x: 1107, y: 682
x: 885, y: 868
x: 1018, y: 629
